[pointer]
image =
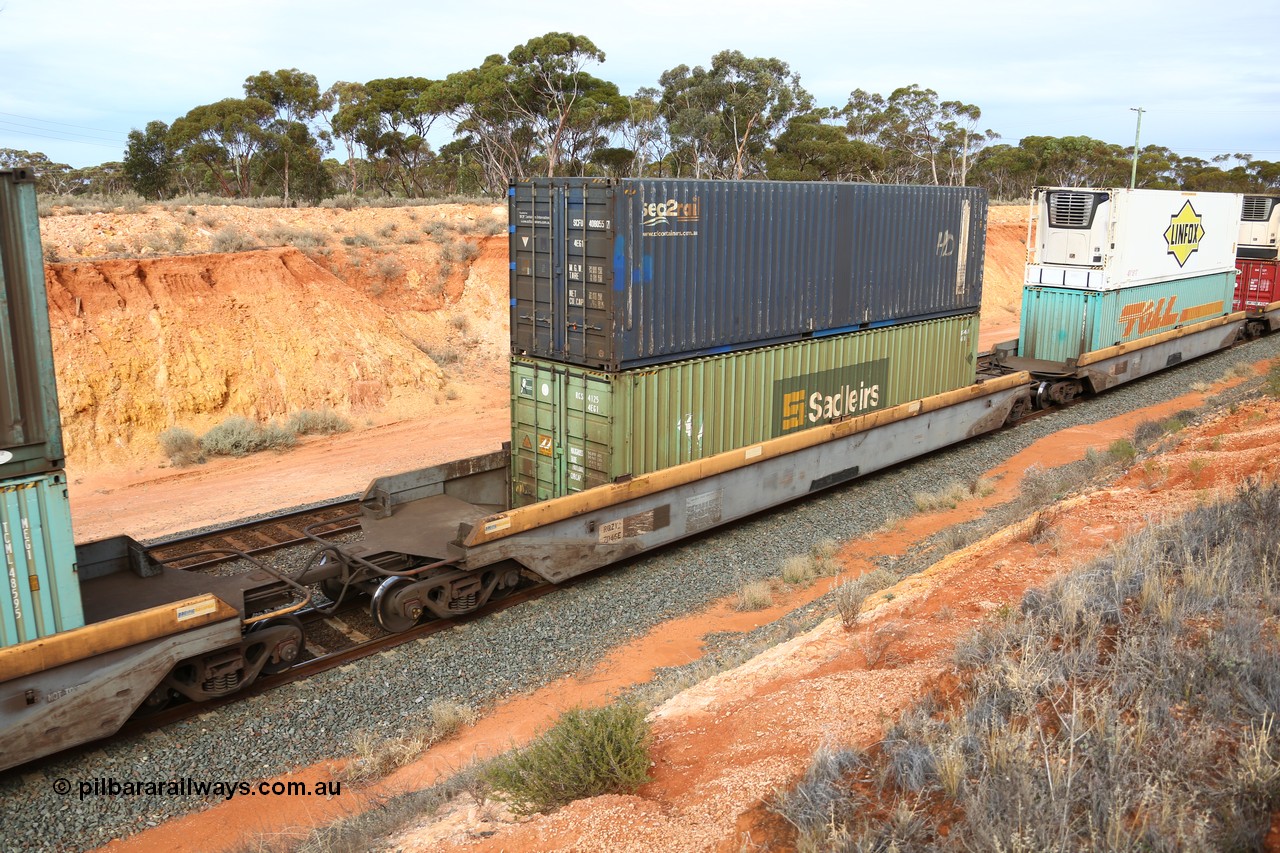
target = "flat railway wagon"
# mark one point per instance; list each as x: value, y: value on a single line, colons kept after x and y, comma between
x: 444, y: 540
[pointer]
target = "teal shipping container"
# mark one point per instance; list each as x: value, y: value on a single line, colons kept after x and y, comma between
x: 30, y: 432
x: 1062, y: 323
x: 42, y: 585
x: 574, y: 428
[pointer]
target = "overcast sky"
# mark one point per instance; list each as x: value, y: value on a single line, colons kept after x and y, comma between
x: 80, y: 74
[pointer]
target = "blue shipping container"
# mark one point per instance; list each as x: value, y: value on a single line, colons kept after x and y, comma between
x: 1061, y: 323
x: 615, y: 274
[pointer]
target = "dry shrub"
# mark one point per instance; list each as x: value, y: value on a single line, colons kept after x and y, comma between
x: 587, y: 753
x: 322, y: 422
x: 181, y: 447
x: 756, y: 595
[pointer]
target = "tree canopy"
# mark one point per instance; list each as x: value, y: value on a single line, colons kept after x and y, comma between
x: 540, y: 109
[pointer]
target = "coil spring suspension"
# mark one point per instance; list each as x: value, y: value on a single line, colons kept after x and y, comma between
x: 225, y: 683
x: 464, y: 602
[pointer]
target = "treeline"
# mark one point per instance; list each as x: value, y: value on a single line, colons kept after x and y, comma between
x: 539, y: 111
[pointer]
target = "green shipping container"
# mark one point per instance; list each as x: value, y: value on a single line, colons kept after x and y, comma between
x: 42, y: 587
x: 573, y: 428
x: 1061, y: 323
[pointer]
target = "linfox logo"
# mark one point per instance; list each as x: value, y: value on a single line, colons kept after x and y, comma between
x: 670, y: 211
x: 1184, y: 233
x: 1151, y: 315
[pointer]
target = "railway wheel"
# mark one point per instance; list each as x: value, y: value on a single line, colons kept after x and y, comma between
x: 284, y: 642
x: 397, y: 605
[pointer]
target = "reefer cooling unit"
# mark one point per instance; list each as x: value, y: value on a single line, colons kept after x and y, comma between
x: 1259, y: 223
x: 1107, y: 239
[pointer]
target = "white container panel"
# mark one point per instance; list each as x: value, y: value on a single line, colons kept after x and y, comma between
x: 1108, y: 239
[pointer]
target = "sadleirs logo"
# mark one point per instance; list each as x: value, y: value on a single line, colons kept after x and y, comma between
x: 829, y: 395
x: 1184, y: 233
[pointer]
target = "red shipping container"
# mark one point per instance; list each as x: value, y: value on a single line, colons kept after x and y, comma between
x: 1255, y: 284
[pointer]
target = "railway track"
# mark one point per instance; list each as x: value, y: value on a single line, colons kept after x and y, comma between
x: 257, y: 537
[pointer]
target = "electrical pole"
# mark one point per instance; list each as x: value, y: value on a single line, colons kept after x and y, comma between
x: 1133, y: 178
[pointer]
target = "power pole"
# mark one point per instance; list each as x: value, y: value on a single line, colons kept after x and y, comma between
x: 1133, y: 178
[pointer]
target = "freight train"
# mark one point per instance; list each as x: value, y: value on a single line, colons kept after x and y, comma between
x: 685, y: 354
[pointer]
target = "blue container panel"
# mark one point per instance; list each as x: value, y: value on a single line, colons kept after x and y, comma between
x: 42, y: 587
x: 1062, y: 323
x: 612, y: 275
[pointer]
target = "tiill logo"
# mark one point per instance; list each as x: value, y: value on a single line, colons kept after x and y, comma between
x: 1153, y: 314
x: 1184, y: 233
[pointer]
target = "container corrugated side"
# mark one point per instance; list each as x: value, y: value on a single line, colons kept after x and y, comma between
x: 615, y: 274
x: 1064, y: 323
x: 574, y: 428
x: 1256, y: 284
x: 30, y: 431
x: 42, y: 587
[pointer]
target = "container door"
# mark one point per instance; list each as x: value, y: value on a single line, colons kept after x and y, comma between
x: 537, y: 431
x: 587, y: 210
x: 533, y: 285
x: 561, y: 263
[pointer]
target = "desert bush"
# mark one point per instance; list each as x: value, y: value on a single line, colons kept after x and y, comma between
x: 231, y: 239
x: 755, y: 595
x: 1129, y: 705
x: 852, y: 595
x: 458, y: 251
x: 387, y: 229
x: 239, y: 436
x: 588, y: 752
x: 375, y: 757
x: 1122, y: 450
x: 1272, y: 383
x: 284, y: 235
x: 359, y: 239
x: 799, y: 570
x: 461, y: 322
x: 181, y: 447
x: 313, y: 422
x: 822, y: 797
x: 1146, y: 433
x: 389, y: 267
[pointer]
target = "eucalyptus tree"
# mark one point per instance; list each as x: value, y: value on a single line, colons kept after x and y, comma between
x: 344, y: 113
x: 51, y: 177
x: 297, y: 100
x: 223, y: 137
x: 149, y: 160
x: 644, y: 133
x: 722, y: 119
x: 1005, y: 171
x: 812, y: 148
x: 537, y: 104
x: 925, y: 140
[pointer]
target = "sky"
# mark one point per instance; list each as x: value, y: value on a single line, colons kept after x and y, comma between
x: 80, y: 74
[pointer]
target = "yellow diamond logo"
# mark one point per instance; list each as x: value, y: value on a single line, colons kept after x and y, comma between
x: 1184, y: 233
